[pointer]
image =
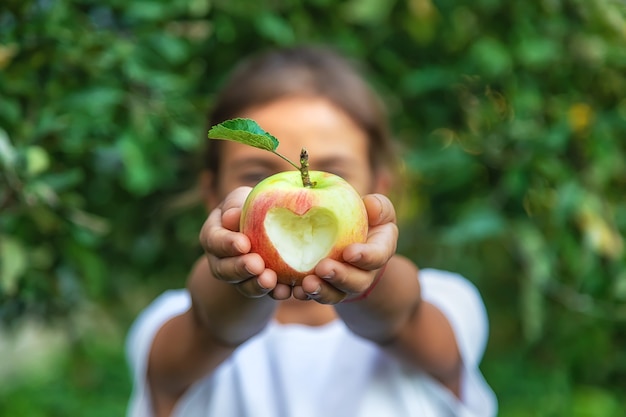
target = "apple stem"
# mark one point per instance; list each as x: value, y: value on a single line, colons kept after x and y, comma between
x: 304, y: 169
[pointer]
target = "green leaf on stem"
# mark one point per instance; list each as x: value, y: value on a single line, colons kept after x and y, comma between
x: 245, y: 131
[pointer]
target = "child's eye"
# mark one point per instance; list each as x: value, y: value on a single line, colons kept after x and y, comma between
x: 338, y: 169
x: 339, y: 172
x: 252, y: 178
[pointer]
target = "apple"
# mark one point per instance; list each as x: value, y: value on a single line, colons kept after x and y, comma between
x: 293, y: 226
x: 294, y: 219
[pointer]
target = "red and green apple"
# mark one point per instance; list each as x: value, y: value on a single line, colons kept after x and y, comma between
x: 293, y: 227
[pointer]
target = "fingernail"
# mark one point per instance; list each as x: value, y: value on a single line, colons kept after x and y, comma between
x: 315, y: 293
x: 330, y: 275
x: 237, y: 247
x: 248, y: 271
x: 258, y: 282
x: 380, y: 207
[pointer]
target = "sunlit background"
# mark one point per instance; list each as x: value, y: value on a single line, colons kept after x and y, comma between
x: 512, y: 120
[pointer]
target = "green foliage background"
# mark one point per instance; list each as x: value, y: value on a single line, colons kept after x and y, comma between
x: 512, y: 117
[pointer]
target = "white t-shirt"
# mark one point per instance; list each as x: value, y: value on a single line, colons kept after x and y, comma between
x: 350, y: 377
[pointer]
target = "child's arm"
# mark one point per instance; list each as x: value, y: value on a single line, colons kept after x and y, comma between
x: 393, y: 313
x: 193, y: 344
x: 395, y: 316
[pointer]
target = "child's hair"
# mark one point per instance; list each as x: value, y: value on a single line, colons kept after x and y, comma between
x: 304, y: 71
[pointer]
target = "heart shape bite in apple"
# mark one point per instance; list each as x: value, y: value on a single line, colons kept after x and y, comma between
x: 293, y: 226
x: 301, y: 241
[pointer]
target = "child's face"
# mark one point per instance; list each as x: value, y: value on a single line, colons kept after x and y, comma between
x: 334, y: 142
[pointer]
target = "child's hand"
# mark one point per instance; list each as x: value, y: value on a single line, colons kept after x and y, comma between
x: 334, y: 281
x: 228, y: 251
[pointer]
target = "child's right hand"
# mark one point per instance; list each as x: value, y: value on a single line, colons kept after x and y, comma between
x: 228, y: 251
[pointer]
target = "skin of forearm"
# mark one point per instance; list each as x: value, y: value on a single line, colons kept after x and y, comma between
x: 395, y: 316
x: 381, y: 316
x: 219, y: 319
x: 428, y: 341
x: 228, y: 316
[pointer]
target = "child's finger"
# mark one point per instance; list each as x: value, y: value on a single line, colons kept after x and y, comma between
x: 236, y: 269
x: 230, y: 218
x: 259, y: 286
x: 381, y: 245
x: 315, y: 288
x: 221, y: 242
x: 281, y: 292
x: 219, y: 234
x: 379, y: 209
x: 231, y: 207
x: 341, y: 276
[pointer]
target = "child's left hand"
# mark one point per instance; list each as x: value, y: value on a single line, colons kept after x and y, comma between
x: 335, y: 281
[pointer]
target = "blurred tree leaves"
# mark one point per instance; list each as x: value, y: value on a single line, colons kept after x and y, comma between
x: 98, y: 110
x: 511, y: 116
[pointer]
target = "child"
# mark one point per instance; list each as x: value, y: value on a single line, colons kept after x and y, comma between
x: 369, y: 336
